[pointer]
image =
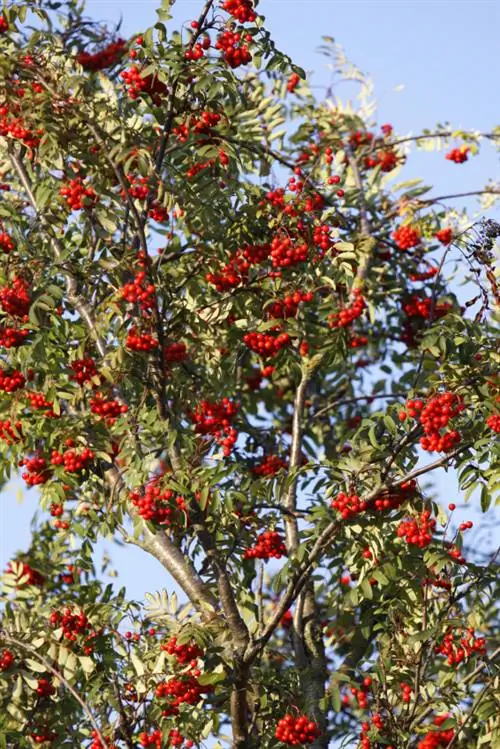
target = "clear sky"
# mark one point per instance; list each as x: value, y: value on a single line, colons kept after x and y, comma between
x: 446, y: 56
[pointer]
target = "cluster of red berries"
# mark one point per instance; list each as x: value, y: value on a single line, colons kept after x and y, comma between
x: 25, y: 573
x: 183, y: 690
x: 292, y: 83
x: 184, y: 654
x: 444, y: 235
x: 155, y: 739
x: 266, y: 344
x: 435, y: 739
x: 79, y: 196
x: 284, y: 252
x: 4, y: 26
x: 108, y: 408
x: 84, y: 370
x: 39, y: 402
x: 9, y: 432
x: 97, y: 743
x: 15, y: 299
x: 255, y: 380
x: 236, y: 53
x: 357, y: 341
x: 494, y: 422
x: 270, y: 466
x: 426, y: 274
x: 242, y: 10
x: 346, y: 316
x: 140, y: 292
x: 175, y: 352
x: 296, y: 731
x: 458, y: 155
x: 45, y: 688
x: 71, y: 460
x: 9, y: 383
x: 417, y: 531
x: 407, y: 692
x: 6, y: 659
x: 6, y: 243
x: 269, y: 545
x: 459, y: 648
x: 348, y: 505
x: 215, y: 419
x: 138, y: 84
x: 434, y: 416
x: 290, y: 304
x: 406, y: 237
x: 136, y: 341
x: 138, y: 188
x: 12, y: 337
x: 423, y: 307
x: 198, y: 50
x: 158, y: 213
x: 16, y: 128
x: 387, y: 160
x: 321, y: 237
x: 158, y: 505
x: 200, y: 125
x: 72, y: 624
x: 199, y: 167
x: 105, y: 58
x: 37, y: 471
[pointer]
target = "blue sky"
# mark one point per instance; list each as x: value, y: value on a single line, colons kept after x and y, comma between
x: 446, y: 56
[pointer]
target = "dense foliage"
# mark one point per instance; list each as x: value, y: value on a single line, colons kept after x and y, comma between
x: 230, y: 337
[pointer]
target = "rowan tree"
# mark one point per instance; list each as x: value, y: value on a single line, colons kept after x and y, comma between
x: 230, y: 337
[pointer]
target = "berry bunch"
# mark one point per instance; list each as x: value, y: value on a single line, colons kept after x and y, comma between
x: 289, y: 306
x: 140, y: 292
x: 242, y: 10
x: 138, y: 188
x: 183, y: 690
x: 296, y: 731
x: 6, y: 243
x: 269, y: 545
x: 4, y: 25
x: 108, y: 408
x: 136, y: 341
x: 434, y: 416
x: 25, y: 574
x: 15, y: 299
x: 435, y: 739
x: 37, y: 471
x: 9, y: 432
x: 494, y: 422
x: 284, y: 252
x: 270, y: 466
x: 348, y: 505
x: 71, y: 460
x: 158, y: 505
x: 407, y: 692
x: 45, y: 688
x: 78, y: 196
x: 12, y: 337
x: 346, y: 316
x: 458, y: 647
x: 406, y: 237
x: 423, y: 307
x: 72, y: 624
x: 458, y: 155
x: 444, y: 235
x: 39, y: 402
x: 104, y: 58
x: 235, y: 52
x: 292, y: 83
x: 6, y: 659
x: 184, y: 654
x: 15, y: 128
x: 417, y: 531
x: 138, y: 84
x: 215, y: 419
x: 266, y: 344
x: 175, y: 352
x: 84, y: 370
